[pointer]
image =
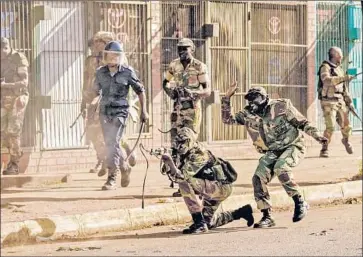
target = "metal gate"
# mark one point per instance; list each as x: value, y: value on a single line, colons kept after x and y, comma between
x: 336, y: 26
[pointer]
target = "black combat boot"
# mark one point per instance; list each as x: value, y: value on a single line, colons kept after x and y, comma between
x: 301, y: 208
x: 199, y: 225
x: 324, y: 151
x: 348, y: 146
x: 103, y: 169
x: 11, y: 169
x: 97, y: 167
x: 244, y: 212
x: 111, y: 180
x: 266, y: 221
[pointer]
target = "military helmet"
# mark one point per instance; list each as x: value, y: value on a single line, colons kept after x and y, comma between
x: 186, y: 42
x: 113, y: 54
x: 104, y: 36
x: 255, y: 91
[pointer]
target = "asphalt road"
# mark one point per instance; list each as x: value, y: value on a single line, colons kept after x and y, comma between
x: 326, y: 231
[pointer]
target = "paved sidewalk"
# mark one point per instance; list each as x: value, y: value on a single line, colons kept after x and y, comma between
x: 83, y: 193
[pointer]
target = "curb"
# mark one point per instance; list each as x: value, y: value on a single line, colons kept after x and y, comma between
x: 87, y: 224
x: 33, y: 179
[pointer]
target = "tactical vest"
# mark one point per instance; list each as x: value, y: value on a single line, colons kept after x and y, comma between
x: 320, y: 82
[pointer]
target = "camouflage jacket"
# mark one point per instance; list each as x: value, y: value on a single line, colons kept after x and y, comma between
x: 333, y: 79
x: 11, y: 68
x: 194, y: 74
x: 114, y: 90
x: 276, y: 129
x: 193, y: 166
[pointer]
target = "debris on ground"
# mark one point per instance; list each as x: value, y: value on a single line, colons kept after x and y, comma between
x: 77, y: 249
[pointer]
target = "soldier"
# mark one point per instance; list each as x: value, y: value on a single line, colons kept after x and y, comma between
x: 332, y: 93
x: 90, y: 111
x: 191, y: 85
x: 274, y: 126
x: 112, y: 84
x: 14, y: 99
x: 201, y: 175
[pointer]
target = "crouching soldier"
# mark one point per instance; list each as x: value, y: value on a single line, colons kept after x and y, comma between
x: 204, y: 182
x: 275, y: 127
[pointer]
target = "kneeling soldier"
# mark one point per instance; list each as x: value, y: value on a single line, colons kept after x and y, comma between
x: 204, y: 183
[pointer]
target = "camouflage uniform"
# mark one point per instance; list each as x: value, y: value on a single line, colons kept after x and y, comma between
x: 187, y: 112
x: 333, y: 92
x: 14, y: 99
x: 203, y: 184
x: 276, y: 134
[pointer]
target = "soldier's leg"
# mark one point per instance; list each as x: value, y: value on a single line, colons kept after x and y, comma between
x: 329, y: 113
x: 345, y: 127
x: 14, y: 129
x: 112, y: 132
x: 263, y: 175
x: 283, y: 170
x: 95, y: 135
x: 215, y: 194
x: 125, y: 145
x: 4, y: 134
x: 174, y: 154
x: 191, y: 190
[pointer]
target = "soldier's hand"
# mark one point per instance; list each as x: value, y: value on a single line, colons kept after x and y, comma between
x: 144, y: 116
x: 322, y: 140
x: 166, y: 157
x: 349, y: 78
x: 232, y: 89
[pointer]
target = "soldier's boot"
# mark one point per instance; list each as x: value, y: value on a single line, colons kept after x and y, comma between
x: 324, y: 151
x: 266, y: 220
x: 301, y: 208
x: 97, y: 167
x: 348, y: 146
x: 199, y: 225
x: 177, y: 193
x: 103, y: 169
x: 244, y: 212
x: 125, y: 175
x: 11, y: 169
x: 111, y: 180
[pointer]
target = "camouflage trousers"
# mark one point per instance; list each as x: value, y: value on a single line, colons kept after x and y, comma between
x: 12, y: 118
x: 205, y: 196
x: 336, y: 112
x: 190, y: 118
x: 279, y: 163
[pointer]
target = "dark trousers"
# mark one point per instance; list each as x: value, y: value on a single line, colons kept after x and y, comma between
x: 113, y: 130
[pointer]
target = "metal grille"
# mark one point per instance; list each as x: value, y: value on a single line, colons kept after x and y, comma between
x: 279, y: 51
x: 229, y: 62
x: 180, y: 19
x: 17, y: 24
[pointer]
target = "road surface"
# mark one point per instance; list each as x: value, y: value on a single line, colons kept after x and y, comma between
x: 327, y: 231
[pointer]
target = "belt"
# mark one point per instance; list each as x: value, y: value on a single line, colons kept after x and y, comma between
x: 185, y: 105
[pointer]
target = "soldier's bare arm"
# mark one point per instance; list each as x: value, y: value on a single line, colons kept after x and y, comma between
x: 299, y: 121
x: 227, y: 116
x: 329, y: 80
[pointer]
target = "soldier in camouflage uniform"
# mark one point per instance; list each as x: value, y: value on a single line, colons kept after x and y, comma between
x: 14, y: 99
x: 203, y: 184
x: 332, y: 92
x: 273, y: 126
x: 89, y: 107
x: 191, y: 85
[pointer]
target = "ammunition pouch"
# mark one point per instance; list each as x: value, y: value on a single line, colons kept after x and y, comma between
x: 184, y: 105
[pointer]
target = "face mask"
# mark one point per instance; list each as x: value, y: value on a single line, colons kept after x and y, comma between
x: 183, y: 146
x: 257, y: 104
